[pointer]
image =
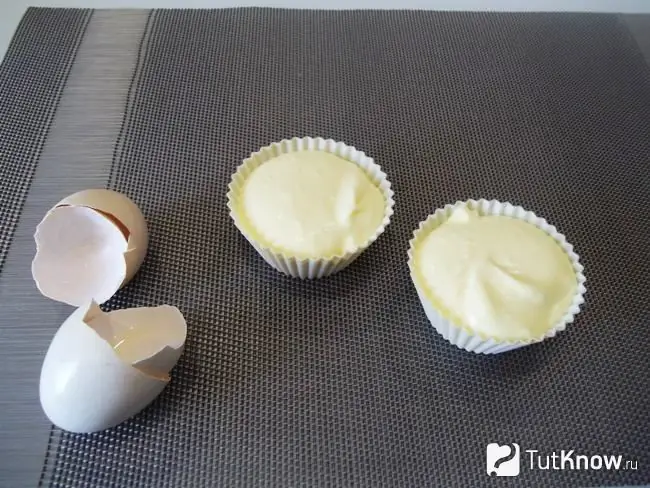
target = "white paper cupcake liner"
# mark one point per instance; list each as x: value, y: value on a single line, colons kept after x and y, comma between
x: 313, y: 267
x: 462, y: 337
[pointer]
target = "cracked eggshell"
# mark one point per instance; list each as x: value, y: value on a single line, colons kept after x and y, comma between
x: 103, y: 368
x: 88, y: 246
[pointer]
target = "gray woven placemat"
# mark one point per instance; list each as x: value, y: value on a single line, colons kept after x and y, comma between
x: 342, y: 381
x: 32, y: 77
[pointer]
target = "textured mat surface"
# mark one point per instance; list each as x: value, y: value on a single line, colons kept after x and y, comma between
x: 342, y: 381
x: 31, y: 80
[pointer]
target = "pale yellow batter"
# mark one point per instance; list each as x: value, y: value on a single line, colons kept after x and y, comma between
x: 311, y: 204
x: 497, y: 276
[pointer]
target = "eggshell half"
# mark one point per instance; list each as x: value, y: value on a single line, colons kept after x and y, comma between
x: 89, y: 245
x: 86, y: 386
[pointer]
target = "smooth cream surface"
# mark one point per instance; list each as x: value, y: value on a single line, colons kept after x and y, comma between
x: 312, y: 204
x: 499, y: 276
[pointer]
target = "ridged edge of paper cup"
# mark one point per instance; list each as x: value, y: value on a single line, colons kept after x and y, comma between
x: 476, y: 342
x: 309, y: 268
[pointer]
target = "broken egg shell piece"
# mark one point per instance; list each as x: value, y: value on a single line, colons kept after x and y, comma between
x: 151, y: 339
x: 79, y: 257
x: 72, y: 269
x: 126, y: 213
x: 86, y: 386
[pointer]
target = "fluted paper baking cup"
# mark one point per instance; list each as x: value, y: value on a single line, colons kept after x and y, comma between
x: 307, y: 268
x: 463, y: 337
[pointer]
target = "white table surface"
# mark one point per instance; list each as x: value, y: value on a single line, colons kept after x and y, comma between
x: 11, y: 11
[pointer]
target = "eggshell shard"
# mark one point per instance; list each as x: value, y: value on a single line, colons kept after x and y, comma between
x: 88, y: 246
x: 80, y: 256
x: 150, y: 339
x: 124, y: 210
x: 86, y: 386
